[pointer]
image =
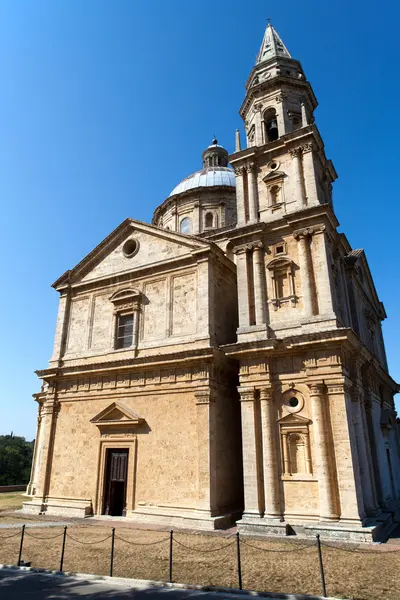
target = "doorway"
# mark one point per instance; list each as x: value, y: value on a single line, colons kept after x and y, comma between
x: 115, y: 482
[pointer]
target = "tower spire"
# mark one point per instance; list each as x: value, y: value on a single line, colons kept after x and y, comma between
x: 272, y: 45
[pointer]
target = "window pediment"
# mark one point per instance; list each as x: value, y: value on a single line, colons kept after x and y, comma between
x: 294, y: 419
x: 117, y: 415
x: 274, y: 176
x: 281, y: 262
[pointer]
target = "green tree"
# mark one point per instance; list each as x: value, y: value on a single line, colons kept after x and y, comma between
x: 15, y: 460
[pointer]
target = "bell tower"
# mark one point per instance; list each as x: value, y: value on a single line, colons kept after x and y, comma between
x: 283, y: 168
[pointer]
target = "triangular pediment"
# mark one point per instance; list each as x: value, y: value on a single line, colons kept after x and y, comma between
x: 274, y: 175
x: 151, y: 246
x: 116, y: 414
x: 293, y: 419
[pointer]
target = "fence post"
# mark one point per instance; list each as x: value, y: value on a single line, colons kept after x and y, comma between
x: 321, y: 566
x: 63, y: 549
x: 112, y: 551
x: 239, y: 566
x: 171, y: 537
x: 20, y: 545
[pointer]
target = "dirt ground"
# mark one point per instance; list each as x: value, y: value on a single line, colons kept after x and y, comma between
x: 278, y: 566
x: 359, y: 572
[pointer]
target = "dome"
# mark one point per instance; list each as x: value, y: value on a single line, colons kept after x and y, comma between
x: 207, y: 177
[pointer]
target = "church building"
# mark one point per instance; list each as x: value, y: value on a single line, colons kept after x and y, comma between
x: 226, y: 363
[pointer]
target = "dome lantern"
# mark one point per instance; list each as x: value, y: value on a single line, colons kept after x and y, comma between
x: 215, y: 155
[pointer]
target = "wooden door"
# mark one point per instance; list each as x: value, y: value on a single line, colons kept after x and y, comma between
x: 115, y: 482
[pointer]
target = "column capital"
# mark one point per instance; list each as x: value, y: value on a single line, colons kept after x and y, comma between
x: 240, y: 249
x: 308, y: 231
x: 266, y: 393
x: 295, y: 151
x: 308, y: 147
x: 250, y: 167
x: 204, y: 397
x: 339, y: 387
x: 317, y: 388
x: 246, y: 394
x: 258, y: 246
x: 239, y: 171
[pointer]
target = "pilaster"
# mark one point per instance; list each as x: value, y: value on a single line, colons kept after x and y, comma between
x: 240, y: 199
x: 206, y: 450
x: 243, y: 287
x: 252, y: 490
x: 323, y: 465
x: 310, y: 175
x: 346, y: 458
x: 270, y: 459
x: 259, y: 283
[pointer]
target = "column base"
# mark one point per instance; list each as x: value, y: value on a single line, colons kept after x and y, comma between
x: 251, y: 525
x: 63, y: 507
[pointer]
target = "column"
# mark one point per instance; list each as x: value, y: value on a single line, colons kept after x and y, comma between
x: 206, y: 451
x: 305, y: 272
x: 285, y: 448
x: 326, y: 487
x: 252, y: 186
x: 322, y: 268
x: 298, y: 184
x: 304, y: 119
x: 365, y: 473
x: 136, y: 318
x: 48, y: 415
x: 346, y: 460
x: 270, y: 460
x: 249, y: 448
x: 259, y: 283
x: 240, y: 200
x: 310, y: 177
x: 197, y: 224
x: 30, y: 490
x: 259, y: 139
x: 242, y: 286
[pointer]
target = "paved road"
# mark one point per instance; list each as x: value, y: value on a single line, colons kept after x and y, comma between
x: 19, y: 585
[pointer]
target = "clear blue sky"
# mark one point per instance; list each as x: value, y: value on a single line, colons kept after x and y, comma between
x: 106, y: 105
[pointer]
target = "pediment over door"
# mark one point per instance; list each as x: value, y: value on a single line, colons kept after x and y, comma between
x: 117, y: 417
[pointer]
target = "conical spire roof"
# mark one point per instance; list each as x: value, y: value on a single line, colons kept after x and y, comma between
x: 272, y: 46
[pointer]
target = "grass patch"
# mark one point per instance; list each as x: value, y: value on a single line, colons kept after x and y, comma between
x: 275, y: 566
x: 11, y: 501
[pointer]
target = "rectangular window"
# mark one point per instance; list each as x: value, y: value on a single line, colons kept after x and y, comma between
x: 124, y: 335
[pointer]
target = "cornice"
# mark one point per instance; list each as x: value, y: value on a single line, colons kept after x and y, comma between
x: 143, y: 362
x: 201, y: 190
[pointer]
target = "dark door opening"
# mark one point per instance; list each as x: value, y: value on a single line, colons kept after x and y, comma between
x: 115, y: 482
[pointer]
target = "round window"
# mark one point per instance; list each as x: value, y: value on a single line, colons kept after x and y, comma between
x: 273, y: 165
x: 293, y: 402
x: 130, y: 248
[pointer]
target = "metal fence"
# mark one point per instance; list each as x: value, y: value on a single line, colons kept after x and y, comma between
x: 236, y: 541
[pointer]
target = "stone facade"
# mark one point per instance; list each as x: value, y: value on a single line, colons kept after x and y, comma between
x: 254, y: 382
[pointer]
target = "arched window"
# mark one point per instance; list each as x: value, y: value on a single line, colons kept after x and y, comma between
x: 186, y: 225
x: 270, y: 125
x: 209, y: 220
